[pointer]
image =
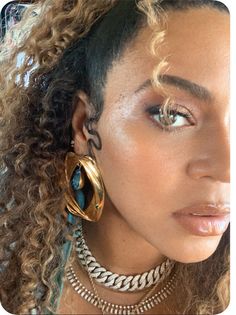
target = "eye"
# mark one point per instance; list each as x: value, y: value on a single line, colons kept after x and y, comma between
x: 172, y: 119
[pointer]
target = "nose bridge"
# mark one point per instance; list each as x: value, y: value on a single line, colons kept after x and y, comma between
x: 212, y: 158
x: 221, y: 146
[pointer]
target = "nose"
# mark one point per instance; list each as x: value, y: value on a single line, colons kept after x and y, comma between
x: 213, y: 156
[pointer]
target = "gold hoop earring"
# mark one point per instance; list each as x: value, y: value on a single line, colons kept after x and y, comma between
x: 78, y: 202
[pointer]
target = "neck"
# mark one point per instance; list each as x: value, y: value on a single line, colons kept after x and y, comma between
x: 117, y: 246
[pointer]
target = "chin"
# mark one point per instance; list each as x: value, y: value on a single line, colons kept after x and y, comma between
x: 196, y: 250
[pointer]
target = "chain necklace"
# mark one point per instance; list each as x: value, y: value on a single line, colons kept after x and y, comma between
x: 146, y: 303
x: 115, y: 281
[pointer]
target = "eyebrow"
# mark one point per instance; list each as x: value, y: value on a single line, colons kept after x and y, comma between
x: 192, y: 88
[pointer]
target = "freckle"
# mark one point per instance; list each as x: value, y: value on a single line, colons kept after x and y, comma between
x: 120, y: 99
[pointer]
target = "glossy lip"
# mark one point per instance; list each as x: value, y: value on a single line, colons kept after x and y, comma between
x: 204, y: 219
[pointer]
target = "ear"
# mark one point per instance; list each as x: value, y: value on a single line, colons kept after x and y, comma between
x: 80, y: 133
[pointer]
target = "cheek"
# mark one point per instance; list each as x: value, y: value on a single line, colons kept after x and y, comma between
x: 136, y: 168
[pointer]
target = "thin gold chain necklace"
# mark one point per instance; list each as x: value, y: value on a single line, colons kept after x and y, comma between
x: 106, y: 307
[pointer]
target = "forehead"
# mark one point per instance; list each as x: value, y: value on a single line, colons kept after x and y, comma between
x: 197, y: 42
x: 197, y: 47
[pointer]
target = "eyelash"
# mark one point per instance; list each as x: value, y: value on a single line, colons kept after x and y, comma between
x: 156, y: 110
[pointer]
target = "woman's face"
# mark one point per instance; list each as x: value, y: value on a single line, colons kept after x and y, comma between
x: 149, y: 173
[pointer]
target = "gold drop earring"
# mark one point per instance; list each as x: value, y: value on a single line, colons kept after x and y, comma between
x: 83, y: 178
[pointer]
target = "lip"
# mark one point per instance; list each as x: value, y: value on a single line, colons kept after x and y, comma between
x: 204, y: 219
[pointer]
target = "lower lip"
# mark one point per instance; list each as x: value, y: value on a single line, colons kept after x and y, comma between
x: 203, y: 225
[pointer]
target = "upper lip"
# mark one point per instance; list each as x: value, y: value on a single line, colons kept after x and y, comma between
x: 206, y: 209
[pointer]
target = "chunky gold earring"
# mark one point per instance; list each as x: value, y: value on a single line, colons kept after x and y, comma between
x: 87, y: 202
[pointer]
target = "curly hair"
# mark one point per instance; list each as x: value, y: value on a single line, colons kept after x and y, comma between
x: 70, y: 45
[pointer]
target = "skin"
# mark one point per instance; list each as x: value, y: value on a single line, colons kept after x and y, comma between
x: 148, y: 173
